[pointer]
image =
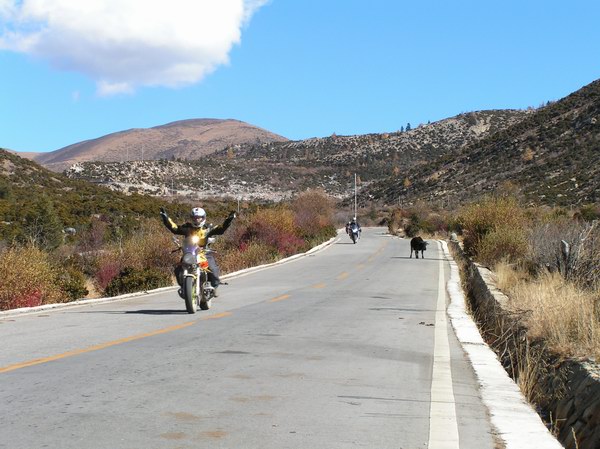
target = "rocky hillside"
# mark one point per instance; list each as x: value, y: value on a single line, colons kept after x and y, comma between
x: 200, y: 179
x: 550, y: 157
x: 187, y: 139
x: 275, y: 170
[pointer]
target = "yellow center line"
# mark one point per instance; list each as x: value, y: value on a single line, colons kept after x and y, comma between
x: 342, y: 276
x: 321, y: 285
x: 377, y: 253
x: 216, y: 316
x: 64, y: 355
x: 279, y: 298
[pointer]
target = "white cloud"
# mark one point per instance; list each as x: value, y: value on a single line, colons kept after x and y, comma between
x: 123, y: 44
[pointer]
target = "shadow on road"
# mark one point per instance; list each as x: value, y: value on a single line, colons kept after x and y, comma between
x: 139, y: 312
x: 157, y: 312
x: 423, y: 258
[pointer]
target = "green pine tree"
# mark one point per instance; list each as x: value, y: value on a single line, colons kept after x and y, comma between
x: 42, y: 225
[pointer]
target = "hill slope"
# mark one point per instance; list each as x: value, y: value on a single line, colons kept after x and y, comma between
x: 187, y: 139
x: 26, y: 187
x: 551, y: 157
x: 276, y: 170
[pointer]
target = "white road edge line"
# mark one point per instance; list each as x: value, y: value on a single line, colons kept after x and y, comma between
x: 514, y: 420
x: 443, y: 426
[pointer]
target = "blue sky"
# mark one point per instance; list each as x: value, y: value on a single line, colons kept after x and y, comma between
x: 297, y: 68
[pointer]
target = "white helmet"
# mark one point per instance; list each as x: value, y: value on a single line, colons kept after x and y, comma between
x: 198, y: 217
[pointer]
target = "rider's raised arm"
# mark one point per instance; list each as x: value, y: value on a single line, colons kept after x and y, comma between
x: 170, y: 224
x: 220, y: 229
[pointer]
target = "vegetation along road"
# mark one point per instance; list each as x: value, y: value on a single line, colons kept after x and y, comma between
x: 347, y: 347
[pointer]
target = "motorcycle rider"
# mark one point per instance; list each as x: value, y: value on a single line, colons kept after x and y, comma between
x: 351, y: 224
x: 197, y: 226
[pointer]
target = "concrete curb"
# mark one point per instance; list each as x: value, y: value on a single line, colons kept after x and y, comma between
x: 82, y: 302
x: 516, y: 422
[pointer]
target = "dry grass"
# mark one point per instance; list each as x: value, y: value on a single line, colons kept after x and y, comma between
x: 525, y: 368
x: 565, y: 316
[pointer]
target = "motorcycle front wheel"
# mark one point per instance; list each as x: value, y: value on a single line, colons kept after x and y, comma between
x: 190, y: 294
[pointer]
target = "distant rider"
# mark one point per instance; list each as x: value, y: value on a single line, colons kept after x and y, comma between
x: 351, y: 225
x: 197, y: 227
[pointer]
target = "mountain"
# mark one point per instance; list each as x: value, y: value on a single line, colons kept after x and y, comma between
x: 275, y: 170
x: 550, y: 157
x: 186, y: 139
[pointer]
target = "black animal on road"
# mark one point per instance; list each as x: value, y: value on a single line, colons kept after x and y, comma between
x: 417, y: 244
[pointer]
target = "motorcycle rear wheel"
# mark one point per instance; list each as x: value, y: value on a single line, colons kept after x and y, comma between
x: 190, y: 294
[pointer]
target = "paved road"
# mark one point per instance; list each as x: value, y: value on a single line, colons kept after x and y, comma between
x: 345, y: 348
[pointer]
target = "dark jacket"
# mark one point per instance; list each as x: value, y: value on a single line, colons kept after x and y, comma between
x: 203, y: 232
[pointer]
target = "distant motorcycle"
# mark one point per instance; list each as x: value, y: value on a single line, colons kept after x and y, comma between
x: 193, y: 270
x: 353, y: 232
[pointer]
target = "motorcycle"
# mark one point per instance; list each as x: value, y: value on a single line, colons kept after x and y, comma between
x: 193, y: 270
x: 353, y: 232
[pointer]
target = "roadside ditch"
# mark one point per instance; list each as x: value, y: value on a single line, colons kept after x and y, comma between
x: 565, y: 392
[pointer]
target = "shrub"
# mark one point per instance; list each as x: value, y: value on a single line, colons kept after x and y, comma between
x: 289, y: 244
x: 313, y: 210
x: 417, y: 220
x: 269, y: 226
x: 503, y: 243
x: 108, y: 267
x: 582, y: 262
x: 479, y: 219
x: 93, y: 237
x: 72, y: 283
x: 150, y: 246
x: 437, y: 223
x: 132, y: 280
x: 249, y: 254
x: 395, y: 221
x: 28, y: 279
x: 41, y: 223
x: 322, y: 235
x: 589, y: 212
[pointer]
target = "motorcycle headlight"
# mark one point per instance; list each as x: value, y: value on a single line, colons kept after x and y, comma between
x: 195, y: 239
x: 188, y: 259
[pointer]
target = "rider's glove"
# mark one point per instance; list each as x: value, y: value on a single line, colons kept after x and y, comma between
x: 163, y: 213
x: 232, y: 215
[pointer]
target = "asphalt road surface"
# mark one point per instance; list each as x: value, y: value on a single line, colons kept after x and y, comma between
x: 344, y: 348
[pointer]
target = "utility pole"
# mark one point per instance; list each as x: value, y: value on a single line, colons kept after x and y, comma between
x: 354, y: 195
